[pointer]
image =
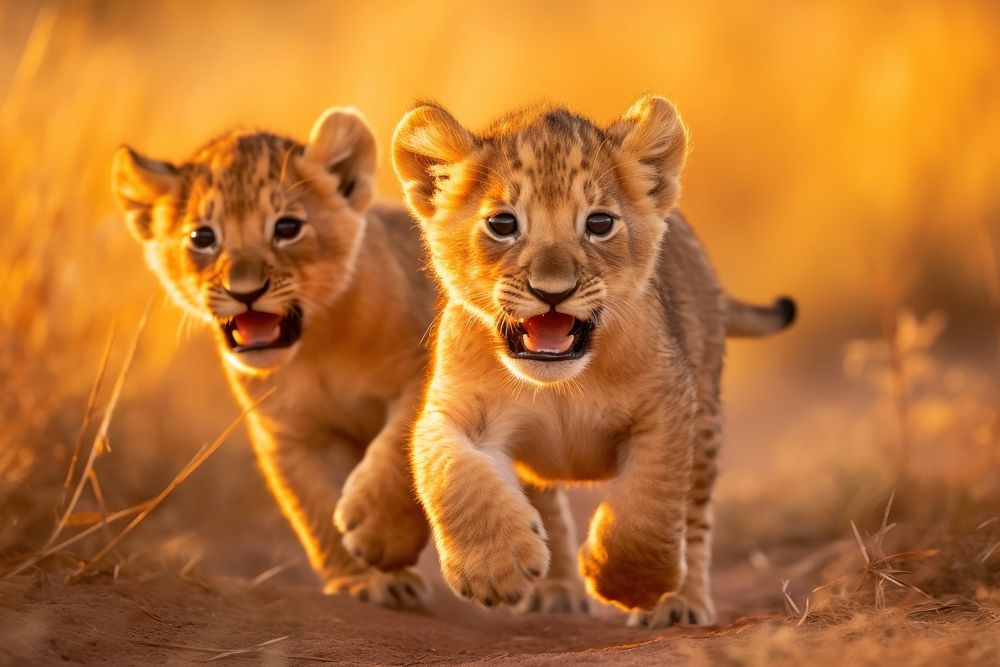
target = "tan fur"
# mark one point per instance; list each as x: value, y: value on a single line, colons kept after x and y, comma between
x: 641, y: 408
x: 333, y: 435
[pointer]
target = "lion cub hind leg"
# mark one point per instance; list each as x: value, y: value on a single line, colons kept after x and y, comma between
x: 306, y: 479
x: 635, y: 552
x: 692, y: 604
x: 562, y: 590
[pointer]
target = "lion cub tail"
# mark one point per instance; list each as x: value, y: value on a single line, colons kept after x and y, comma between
x: 744, y: 320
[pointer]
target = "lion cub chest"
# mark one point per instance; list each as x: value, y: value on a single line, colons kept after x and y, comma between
x: 562, y: 439
x: 317, y: 399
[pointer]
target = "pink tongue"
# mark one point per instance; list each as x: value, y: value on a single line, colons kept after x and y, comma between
x: 549, y: 333
x: 256, y: 328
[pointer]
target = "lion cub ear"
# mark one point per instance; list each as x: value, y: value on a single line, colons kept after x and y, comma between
x: 654, y: 147
x: 137, y: 183
x: 343, y: 145
x: 426, y: 141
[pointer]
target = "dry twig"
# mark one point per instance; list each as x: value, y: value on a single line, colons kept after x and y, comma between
x: 200, y: 457
x: 888, y: 301
x: 217, y: 653
x: 274, y: 571
x: 88, y: 415
x: 100, y: 439
x: 44, y: 553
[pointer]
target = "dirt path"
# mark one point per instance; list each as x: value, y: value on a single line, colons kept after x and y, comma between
x: 159, y: 617
x: 169, y: 619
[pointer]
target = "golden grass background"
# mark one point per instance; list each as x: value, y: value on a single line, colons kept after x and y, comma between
x: 827, y: 139
x: 846, y: 153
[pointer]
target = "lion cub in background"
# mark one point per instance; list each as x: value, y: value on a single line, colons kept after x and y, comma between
x: 308, y: 288
x: 582, y: 339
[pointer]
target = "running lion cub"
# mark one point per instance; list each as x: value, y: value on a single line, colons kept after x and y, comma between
x: 582, y: 339
x: 309, y: 289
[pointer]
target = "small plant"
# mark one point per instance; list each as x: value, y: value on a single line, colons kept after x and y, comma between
x: 943, y: 419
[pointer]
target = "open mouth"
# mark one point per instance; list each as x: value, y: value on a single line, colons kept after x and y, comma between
x: 552, y: 336
x: 257, y: 330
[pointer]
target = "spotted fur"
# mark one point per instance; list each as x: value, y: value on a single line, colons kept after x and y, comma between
x: 497, y: 435
x: 332, y: 438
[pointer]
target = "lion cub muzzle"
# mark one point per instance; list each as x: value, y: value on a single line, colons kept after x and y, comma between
x: 258, y: 321
x: 559, y: 334
x: 562, y: 330
x: 253, y: 307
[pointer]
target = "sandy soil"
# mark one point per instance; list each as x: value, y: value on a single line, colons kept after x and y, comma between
x: 165, y: 617
x: 191, y: 599
x: 169, y: 618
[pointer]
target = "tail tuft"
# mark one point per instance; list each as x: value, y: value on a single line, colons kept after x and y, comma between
x: 788, y: 308
x: 747, y: 320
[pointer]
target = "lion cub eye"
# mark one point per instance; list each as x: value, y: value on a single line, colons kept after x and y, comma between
x: 202, y: 238
x: 600, y: 224
x: 287, y: 229
x: 502, y: 224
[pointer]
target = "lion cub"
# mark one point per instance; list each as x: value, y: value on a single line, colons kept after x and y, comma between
x: 309, y: 289
x: 582, y: 339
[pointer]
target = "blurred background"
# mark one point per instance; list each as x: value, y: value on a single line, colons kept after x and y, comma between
x: 845, y: 153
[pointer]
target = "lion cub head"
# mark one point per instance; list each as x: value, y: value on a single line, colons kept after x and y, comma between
x: 546, y: 226
x: 255, y: 234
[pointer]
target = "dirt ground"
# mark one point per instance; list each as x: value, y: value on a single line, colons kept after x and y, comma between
x: 166, y: 611
x: 171, y: 617
x: 172, y: 620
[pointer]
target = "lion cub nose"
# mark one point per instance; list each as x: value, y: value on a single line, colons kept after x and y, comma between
x: 243, y: 279
x: 553, y: 298
x: 249, y: 297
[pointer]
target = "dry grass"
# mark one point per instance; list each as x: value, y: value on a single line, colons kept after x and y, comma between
x: 922, y: 586
x: 101, y: 520
x: 865, y: 638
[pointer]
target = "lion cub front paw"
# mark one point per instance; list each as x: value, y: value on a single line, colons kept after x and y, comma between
x: 557, y: 596
x: 380, y: 520
x: 498, y: 565
x: 399, y: 589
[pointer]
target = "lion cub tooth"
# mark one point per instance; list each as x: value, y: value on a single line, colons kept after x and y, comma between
x: 563, y: 346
